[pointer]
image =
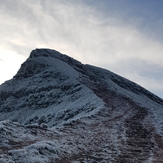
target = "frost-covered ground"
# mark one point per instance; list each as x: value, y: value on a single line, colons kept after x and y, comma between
x: 56, y: 109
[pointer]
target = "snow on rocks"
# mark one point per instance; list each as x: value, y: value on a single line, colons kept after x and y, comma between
x: 56, y: 109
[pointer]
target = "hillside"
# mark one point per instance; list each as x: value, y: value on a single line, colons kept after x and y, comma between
x: 56, y: 109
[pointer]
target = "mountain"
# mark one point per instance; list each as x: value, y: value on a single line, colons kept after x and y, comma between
x: 58, y: 110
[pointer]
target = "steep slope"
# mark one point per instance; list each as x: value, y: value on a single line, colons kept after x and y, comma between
x: 67, y: 112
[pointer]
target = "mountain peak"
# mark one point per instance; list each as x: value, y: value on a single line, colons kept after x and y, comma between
x: 40, y: 59
x: 54, y: 54
x: 44, y: 53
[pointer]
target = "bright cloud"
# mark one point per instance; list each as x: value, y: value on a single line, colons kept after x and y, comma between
x: 9, y: 64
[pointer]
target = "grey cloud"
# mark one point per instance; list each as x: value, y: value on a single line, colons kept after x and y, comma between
x: 17, y: 9
x: 144, y: 68
x: 145, y: 74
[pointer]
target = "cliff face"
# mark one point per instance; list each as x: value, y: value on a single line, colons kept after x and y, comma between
x: 55, y: 109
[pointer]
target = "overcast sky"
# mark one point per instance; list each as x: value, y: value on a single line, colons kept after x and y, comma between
x: 123, y: 36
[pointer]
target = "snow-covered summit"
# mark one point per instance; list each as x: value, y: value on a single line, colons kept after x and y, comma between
x: 44, y: 53
x: 54, y: 54
x: 51, y: 84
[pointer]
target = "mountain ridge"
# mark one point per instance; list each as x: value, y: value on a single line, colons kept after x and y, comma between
x: 69, y: 60
x: 46, y: 70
